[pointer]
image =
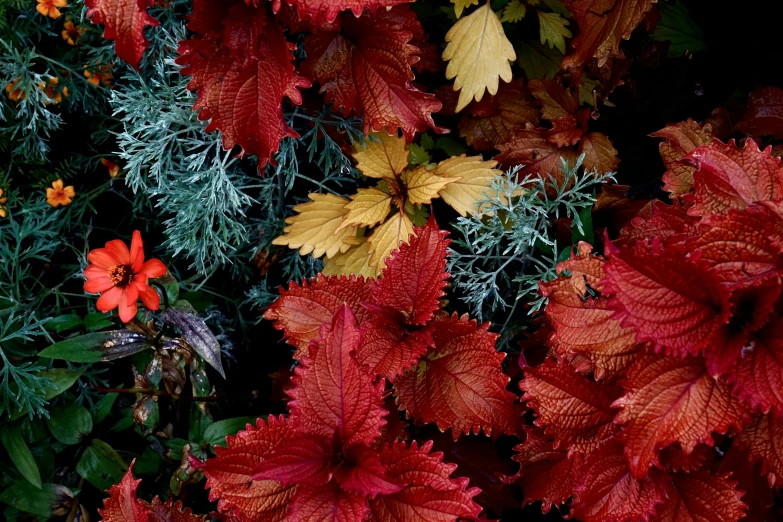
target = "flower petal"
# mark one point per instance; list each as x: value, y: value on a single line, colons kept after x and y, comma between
x: 110, y: 299
x: 119, y: 251
x: 102, y: 258
x: 132, y: 293
x: 150, y: 298
x: 95, y: 271
x: 153, y: 268
x: 58, y: 185
x: 128, y: 308
x: 69, y: 191
x: 98, y: 284
x: 137, y: 251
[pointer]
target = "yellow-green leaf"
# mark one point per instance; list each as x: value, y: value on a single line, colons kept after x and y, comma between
x: 422, y: 185
x: 388, y: 237
x: 382, y: 157
x: 461, y: 5
x: 513, y: 12
x: 553, y: 30
x: 367, y: 207
x: 355, y: 261
x: 315, y: 227
x: 472, y: 182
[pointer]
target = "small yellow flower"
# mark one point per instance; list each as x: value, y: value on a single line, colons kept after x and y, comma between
x: 2, y: 204
x: 100, y: 75
x: 57, y: 195
x: 114, y: 169
x: 15, y: 94
x: 71, y: 33
x: 49, y: 7
x: 50, y: 89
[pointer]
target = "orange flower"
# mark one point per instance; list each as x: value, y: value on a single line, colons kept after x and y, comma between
x: 114, y: 169
x: 57, y: 195
x: 49, y: 7
x: 50, y: 89
x: 121, y: 276
x: 15, y: 94
x: 101, y: 75
x: 71, y: 33
x: 2, y: 204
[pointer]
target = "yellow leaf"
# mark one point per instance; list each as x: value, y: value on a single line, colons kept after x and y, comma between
x: 422, y: 185
x: 472, y: 182
x: 384, y: 157
x: 552, y: 29
x: 513, y: 12
x: 315, y: 228
x: 367, y: 207
x: 388, y: 237
x: 461, y: 5
x: 478, y: 53
x: 354, y: 261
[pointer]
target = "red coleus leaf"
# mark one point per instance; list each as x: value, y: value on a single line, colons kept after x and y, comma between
x: 124, y: 22
x: 171, y: 511
x: 242, y: 72
x: 415, y: 276
x: 546, y: 473
x: 459, y: 384
x: 670, y: 400
x: 679, y: 140
x: 364, y: 66
x: 674, y: 459
x: 302, y: 310
x: 430, y: 493
x: 607, y: 491
x: 302, y: 459
x: 758, y: 496
x: 564, y: 131
x: 757, y: 373
x: 763, y: 441
x: 333, y: 393
x: 671, y: 299
x: 539, y: 157
x: 327, y: 503
x: 573, y: 409
x: 600, y: 156
x: 388, y: 348
x: 230, y: 473
x: 728, y: 176
x: 603, y: 24
x: 700, y: 496
x: 122, y: 504
x: 657, y: 219
x: 320, y: 10
x: 764, y: 115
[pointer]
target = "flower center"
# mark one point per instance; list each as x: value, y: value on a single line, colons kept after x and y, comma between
x: 121, y: 275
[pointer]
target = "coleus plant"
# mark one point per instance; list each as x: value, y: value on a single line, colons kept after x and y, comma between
x: 340, y: 229
x: 665, y: 355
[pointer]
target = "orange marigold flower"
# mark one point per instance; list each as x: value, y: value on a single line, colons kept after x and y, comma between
x: 71, y: 33
x: 2, y: 204
x: 57, y: 195
x: 49, y: 7
x: 15, y: 94
x: 101, y: 75
x: 114, y: 169
x: 120, y: 276
x: 50, y: 88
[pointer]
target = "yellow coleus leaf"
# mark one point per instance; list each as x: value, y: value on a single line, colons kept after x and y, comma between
x: 461, y: 5
x: 383, y: 157
x: 388, y: 237
x: 478, y: 53
x: 422, y: 185
x: 472, y: 182
x: 552, y: 29
x: 513, y: 12
x: 367, y: 207
x: 315, y: 227
x: 354, y: 261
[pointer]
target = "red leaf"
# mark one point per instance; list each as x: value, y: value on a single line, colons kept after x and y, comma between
x: 241, y: 76
x: 555, y: 100
x: 230, y: 473
x: 602, y: 26
x: 670, y: 400
x: 530, y: 148
x: 302, y: 310
x: 679, y: 140
x: 366, y: 68
x: 415, y: 275
x: 320, y: 10
x: 576, y: 411
x: 764, y: 116
x: 546, y: 473
x: 388, y: 349
x: 302, y: 459
x: 124, y: 22
x: 564, y: 132
x: 332, y: 391
x: 701, y: 496
x: 727, y: 177
x: 459, y: 384
x: 758, y: 496
x: 764, y: 442
x: 429, y: 495
x: 607, y: 492
x: 368, y: 476
x: 327, y: 503
x: 171, y: 511
x: 122, y: 504
x: 674, y: 459
x: 600, y: 156
x: 657, y: 219
x: 672, y: 301
x: 757, y: 374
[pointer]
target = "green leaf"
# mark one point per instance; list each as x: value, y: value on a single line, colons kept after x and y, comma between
x: 426, y: 141
x: 61, y: 379
x: 198, y: 335
x: 418, y: 155
x: 215, y: 435
x: 557, y: 6
x: 171, y: 285
x: 70, y: 424
x: 148, y: 463
x: 100, y: 465
x: 538, y: 61
x: 62, y: 323
x: 587, y: 233
x: 449, y: 146
x: 20, y: 454
x: 553, y: 31
x: 98, y: 346
x: 677, y: 26
x: 25, y: 497
x: 96, y: 321
x: 103, y: 406
x: 198, y: 300
x: 198, y: 423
